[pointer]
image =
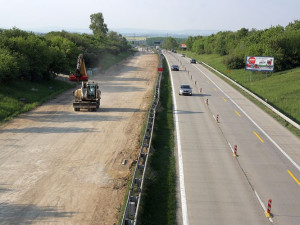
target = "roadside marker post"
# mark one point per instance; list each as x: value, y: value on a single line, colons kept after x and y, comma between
x: 217, y: 118
x: 235, y: 151
x: 207, y: 101
x: 268, y: 212
x: 195, y: 83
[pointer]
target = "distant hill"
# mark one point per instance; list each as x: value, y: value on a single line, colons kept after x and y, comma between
x: 132, y: 31
x: 164, y: 33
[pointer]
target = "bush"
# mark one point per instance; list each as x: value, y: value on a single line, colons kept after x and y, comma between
x: 235, y: 61
x: 8, y: 66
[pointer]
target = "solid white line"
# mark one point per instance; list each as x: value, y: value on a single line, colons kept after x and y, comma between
x: 256, y: 194
x: 230, y: 147
x: 180, y: 163
x: 276, y: 145
x: 260, y: 201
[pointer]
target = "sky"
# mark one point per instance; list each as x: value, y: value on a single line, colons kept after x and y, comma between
x: 169, y: 15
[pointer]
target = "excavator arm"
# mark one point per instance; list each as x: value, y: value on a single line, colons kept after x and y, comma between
x: 80, y: 73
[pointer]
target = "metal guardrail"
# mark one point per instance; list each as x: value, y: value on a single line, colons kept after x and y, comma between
x: 134, y: 197
x: 257, y: 98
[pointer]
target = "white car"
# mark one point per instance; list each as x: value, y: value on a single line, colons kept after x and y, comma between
x: 185, y: 89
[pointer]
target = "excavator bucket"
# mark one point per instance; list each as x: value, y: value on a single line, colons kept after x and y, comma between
x: 80, y: 74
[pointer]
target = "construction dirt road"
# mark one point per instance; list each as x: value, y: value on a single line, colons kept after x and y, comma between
x: 58, y: 166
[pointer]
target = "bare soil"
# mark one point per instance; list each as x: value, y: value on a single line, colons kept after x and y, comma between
x: 58, y: 166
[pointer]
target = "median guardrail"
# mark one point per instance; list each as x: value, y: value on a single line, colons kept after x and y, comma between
x: 131, y: 211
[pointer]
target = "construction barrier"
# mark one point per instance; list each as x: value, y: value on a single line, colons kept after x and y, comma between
x: 235, y: 151
x: 268, y: 212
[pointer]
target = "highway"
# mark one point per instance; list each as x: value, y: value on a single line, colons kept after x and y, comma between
x: 215, y: 186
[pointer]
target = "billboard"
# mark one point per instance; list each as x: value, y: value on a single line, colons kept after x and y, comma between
x: 260, y: 63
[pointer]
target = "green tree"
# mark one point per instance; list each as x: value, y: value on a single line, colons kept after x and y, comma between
x: 35, y: 51
x: 8, y: 66
x: 97, y: 25
x: 170, y: 43
x: 198, y: 45
x: 189, y: 43
x: 293, y: 26
x: 63, y: 53
x: 242, y: 33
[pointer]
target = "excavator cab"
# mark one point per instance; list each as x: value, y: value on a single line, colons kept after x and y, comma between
x: 91, y: 91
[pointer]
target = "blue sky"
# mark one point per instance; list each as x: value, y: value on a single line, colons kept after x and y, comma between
x: 145, y: 14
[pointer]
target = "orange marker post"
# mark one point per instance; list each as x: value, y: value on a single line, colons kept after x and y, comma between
x: 235, y: 151
x: 268, y: 212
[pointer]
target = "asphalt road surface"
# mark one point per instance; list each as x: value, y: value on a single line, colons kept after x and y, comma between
x: 58, y: 166
x: 215, y: 187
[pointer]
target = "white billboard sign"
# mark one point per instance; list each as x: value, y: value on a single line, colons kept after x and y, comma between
x: 259, y: 63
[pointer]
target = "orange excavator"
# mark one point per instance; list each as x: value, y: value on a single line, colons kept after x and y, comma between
x: 80, y: 74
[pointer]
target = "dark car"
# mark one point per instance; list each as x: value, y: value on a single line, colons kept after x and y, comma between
x: 175, y: 67
x: 185, y: 89
x: 193, y: 61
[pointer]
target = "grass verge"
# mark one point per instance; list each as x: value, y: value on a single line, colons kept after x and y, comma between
x: 158, y: 204
x: 21, y: 96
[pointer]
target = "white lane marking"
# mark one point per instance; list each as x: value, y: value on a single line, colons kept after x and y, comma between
x: 256, y: 194
x: 278, y: 147
x: 180, y: 163
x: 230, y: 147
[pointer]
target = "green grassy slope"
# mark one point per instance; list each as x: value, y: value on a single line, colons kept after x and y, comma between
x: 34, y: 93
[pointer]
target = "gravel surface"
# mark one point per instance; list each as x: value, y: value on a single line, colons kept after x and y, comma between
x: 58, y: 166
